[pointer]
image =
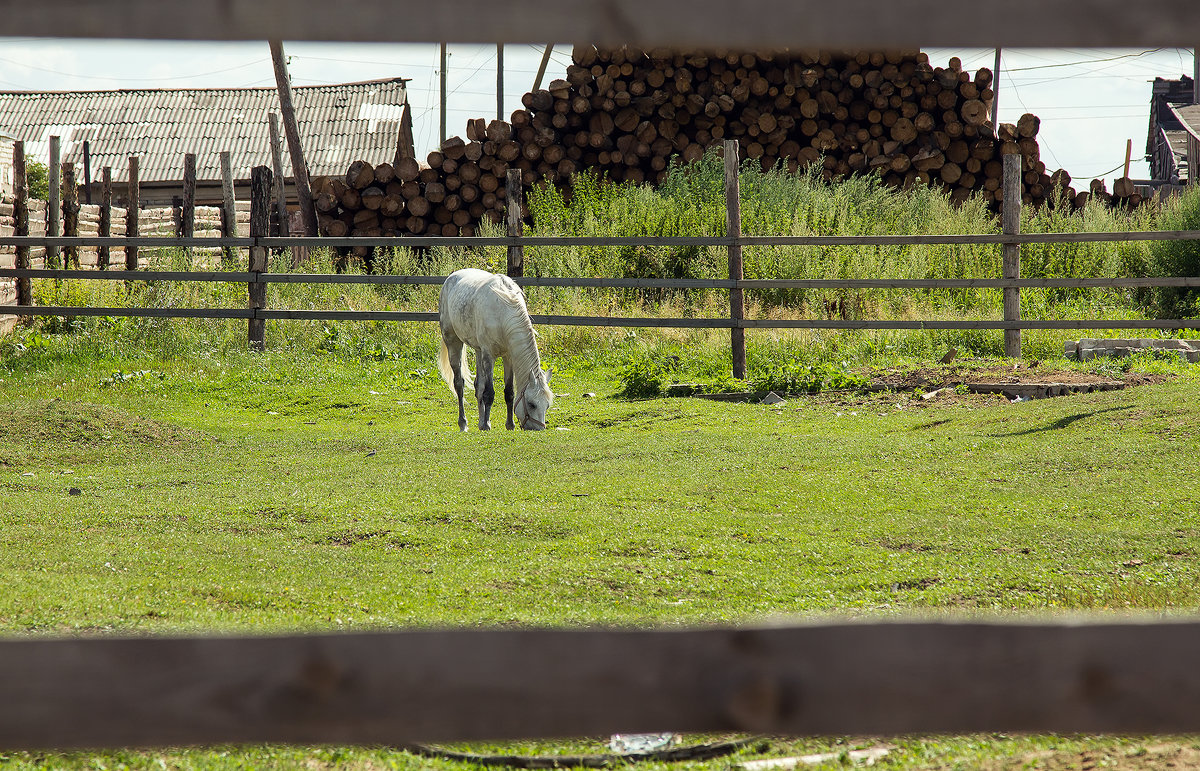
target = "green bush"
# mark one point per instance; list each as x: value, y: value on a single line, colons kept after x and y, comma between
x: 1177, y: 258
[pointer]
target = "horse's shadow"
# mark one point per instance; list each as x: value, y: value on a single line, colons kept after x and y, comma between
x: 1063, y: 422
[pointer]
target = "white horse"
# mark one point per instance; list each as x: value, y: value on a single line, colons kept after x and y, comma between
x: 487, y: 312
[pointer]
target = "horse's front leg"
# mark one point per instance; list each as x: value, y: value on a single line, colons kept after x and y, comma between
x: 485, y: 389
x: 460, y: 383
x: 508, y: 394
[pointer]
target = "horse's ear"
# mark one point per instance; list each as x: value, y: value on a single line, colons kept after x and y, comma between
x: 548, y: 374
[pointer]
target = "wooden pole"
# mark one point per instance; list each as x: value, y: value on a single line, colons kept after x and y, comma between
x: 70, y: 209
x: 1193, y: 143
x: 187, y: 214
x: 103, y: 255
x: 291, y: 129
x: 537, y: 81
x: 1011, y: 225
x: 733, y: 228
x: 444, y: 56
x: 996, y: 92
x: 21, y: 220
x: 87, y: 173
x: 499, y: 81
x: 513, y: 214
x: 131, y: 213
x: 277, y: 169
x: 53, y: 212
x: 260, y: 223
x: 1128, y: 156
x: 228, y: 211
x: 405, y: 147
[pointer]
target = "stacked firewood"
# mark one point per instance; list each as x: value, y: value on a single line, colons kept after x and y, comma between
x: 461, y: 185
x: 627, y: 114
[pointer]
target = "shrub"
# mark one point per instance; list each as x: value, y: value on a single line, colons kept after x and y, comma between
x: 1177, y: 258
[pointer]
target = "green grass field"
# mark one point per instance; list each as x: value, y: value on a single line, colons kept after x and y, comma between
x: 267, y: 493
x: 157, y: 478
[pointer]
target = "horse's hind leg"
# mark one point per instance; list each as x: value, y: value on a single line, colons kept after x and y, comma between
x: 508, y: 394
x: 485, y: 389
x: 454, y: 347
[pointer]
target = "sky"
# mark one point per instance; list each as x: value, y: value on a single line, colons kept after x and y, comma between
x: 1090, y: 101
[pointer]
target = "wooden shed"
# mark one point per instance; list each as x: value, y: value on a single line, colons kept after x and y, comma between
x: 338, y: 124
x: 1167, y: 140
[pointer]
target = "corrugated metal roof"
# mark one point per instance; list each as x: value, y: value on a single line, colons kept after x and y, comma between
x: 162, y: 125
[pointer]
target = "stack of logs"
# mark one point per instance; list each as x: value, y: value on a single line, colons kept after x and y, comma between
x: 462, y: 185
x: 627, y: 113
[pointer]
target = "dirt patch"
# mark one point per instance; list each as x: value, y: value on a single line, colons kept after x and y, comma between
x: 1148, y: 757
x: 930, y: 378
x: 982, y: 384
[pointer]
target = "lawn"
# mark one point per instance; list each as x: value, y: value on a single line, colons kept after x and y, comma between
x: 302, y: 493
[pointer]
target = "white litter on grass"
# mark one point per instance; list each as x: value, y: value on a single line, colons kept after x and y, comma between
x: 773, y: 398
x: 1020, y: 398
x: 858, y: 757
x: 638, y: 744
x: 561, y: 428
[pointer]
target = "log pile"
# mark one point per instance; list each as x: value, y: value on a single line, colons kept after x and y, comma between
x: 627, y: 113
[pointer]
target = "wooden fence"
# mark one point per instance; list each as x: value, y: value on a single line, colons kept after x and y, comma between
x: 463, y: 685
x: 257, y: 278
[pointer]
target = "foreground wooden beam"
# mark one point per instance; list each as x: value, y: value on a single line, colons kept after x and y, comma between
x: 390, y: 688
x: 649, y: 23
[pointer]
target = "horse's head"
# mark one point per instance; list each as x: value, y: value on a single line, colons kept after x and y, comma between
x: 533, y: 401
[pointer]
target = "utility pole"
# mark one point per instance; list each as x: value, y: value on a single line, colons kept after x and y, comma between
x: 996, y: 92
x: 1193, y: 143
x: 499, y: 81
x: 308, y: 209
x: 537, y: 82
x: 442, y: 74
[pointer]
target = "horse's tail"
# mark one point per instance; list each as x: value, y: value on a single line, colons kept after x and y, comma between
x: 448, y: 373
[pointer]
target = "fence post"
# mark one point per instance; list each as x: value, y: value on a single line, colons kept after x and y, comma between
x: 1011, y: 225
x: 131, y: 214
x: 70, y: 207
x: 513, y: 207
x: 260, y: 227
x: 105, y: 229
x: 21, y: 221
x: 52, y: 203
x: 733, y: 229
x: 187, y: 215
x: 228, y: 211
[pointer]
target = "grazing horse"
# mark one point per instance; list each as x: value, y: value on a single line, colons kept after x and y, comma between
x: 487, y: 312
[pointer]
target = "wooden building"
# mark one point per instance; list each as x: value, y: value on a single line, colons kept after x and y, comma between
x: 338, y: 124
x: 1172, y: 122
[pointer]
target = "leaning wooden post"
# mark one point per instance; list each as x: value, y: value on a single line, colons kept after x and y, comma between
x: 1011, y: 225
x: 260, y: 227
x: 733, y: 229
x: 291, y: 129
x: 228, y: 211
x: 70, y: 211
x: 187, y: 215
x: 512, y: 209
x: 105, y: 229
x: 53, y: 212
x: 21, y: 221
x: 131, y: 214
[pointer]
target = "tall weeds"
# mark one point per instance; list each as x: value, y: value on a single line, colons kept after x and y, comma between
x: 689, y: 202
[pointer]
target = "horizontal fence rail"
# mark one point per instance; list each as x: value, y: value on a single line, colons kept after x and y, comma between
x: 392, y: 688
x: 281, y: 242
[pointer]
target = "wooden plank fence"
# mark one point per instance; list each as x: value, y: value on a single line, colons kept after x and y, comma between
x: 876, y: 679
x: 260, y: 241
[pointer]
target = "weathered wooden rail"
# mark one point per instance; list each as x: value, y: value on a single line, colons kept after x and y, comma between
x: 886, y: 678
